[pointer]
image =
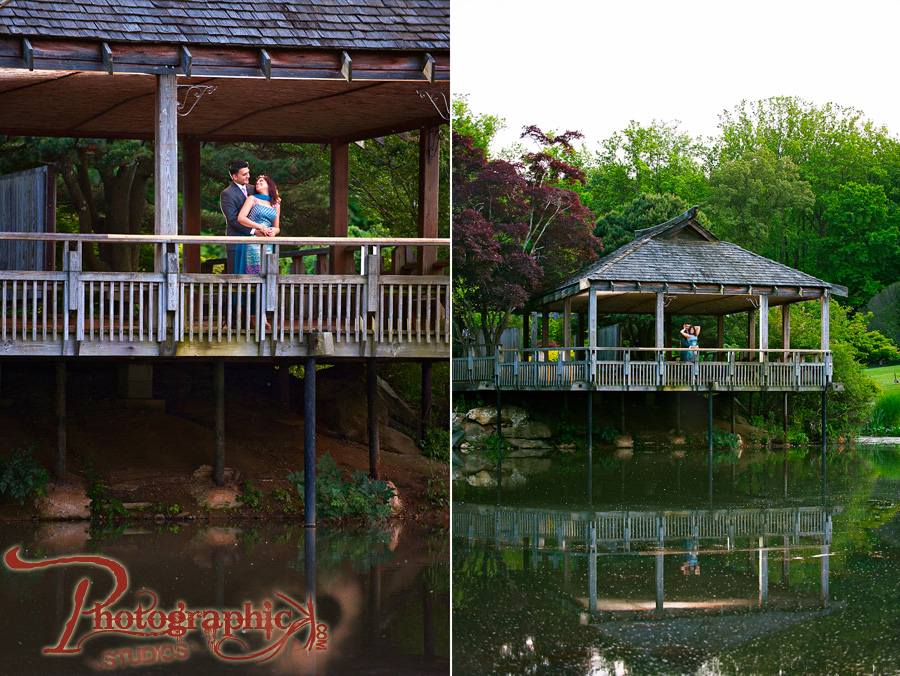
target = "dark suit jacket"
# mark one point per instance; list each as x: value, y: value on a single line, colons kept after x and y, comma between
x: 231, y: 200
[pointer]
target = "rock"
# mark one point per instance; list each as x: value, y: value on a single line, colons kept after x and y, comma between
x: 465, y: 447
x: 625, y: 441
x: 475, y: 462
x: 63, y: 537
x: 679, y: 455
x: 64, y: 502
x: 566, y: 448
x: 514, y: 480
x: 476, y: 434
x: 529, y: 430
x: 528, y: 466
x: 527, y: 453
x: 529, y: 443
x: 485, y: 415
x: 624, y: 453
x: 395, y: 502
x: 394, y: 441
x: 457, y: 436
x: 677, y: 441
x: 482, y: 480
x: 215, y: 497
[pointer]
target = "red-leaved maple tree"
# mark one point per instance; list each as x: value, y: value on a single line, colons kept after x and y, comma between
x: 517, y: 228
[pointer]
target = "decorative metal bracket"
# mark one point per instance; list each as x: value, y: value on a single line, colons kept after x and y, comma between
x: 667, y: 299
x: 440, y: 105
x: 193, y: 91
x: 754, y: 301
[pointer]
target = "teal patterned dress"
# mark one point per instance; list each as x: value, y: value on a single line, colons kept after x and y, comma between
x: 247, y: 256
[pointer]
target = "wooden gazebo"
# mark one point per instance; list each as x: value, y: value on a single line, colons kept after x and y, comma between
x: 184, y: 72
x: 675, y: 268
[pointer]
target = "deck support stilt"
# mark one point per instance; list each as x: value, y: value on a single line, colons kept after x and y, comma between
x: 784, y: 417
x: 623, y: 413
x: 590, y: 446
x: 309, y: 441
x: 733, y: 402
x: 284, y: 386
x: 710, y: 397
x: 309, y: 563
x: 60, y: 470
x: 824, y: 439
x: 678, y: 414
x: 219, y: 443
x: 499, y: 444
x: 372, y: 402
x: 426, y: 398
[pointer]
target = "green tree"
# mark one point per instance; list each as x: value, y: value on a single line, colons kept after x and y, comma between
x: 752, y: 201
x: 480, y: 128
x: 644, y: 211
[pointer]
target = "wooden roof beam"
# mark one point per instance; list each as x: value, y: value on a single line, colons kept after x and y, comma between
x: 187, y: 60
x: 265, y: 63
x: 28, y: 53
x: 106, y: 56
x: 428, y: 68
x: 346, y: 66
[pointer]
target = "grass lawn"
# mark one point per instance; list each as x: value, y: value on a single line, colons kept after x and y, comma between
x: 884, y: 376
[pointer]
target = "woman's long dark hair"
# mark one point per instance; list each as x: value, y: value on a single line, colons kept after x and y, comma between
x: 273, y: 191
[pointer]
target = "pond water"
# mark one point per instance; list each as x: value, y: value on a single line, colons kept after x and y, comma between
x: 380, y: 600
x: 665, y: 568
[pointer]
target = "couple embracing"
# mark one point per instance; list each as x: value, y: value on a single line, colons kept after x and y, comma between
x: 249, y: 211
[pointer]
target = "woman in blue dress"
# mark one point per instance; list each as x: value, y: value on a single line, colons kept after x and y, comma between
x: 691, y: 334
x: 261, y: 213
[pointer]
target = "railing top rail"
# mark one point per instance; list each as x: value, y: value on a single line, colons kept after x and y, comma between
x: 215, y: 239
x: 660, y: 349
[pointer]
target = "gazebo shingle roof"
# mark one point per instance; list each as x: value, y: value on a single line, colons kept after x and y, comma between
x: 327, y: 24
x: 682, y: 251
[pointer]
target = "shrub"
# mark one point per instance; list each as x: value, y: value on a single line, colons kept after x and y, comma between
x: 22, y: 476
x: 250, y: 495
x: 338, y: 496
x: 436, y: 445
x: 886, y: 413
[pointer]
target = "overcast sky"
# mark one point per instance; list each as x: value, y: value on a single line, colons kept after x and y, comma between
x: 596, y: 65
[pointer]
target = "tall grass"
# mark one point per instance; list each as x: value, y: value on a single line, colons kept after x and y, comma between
x: 885, y: 417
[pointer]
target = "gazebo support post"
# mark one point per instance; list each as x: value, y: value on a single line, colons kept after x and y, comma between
x: 60, y: 469
x: 751, y: 333
x: 545, y: 328
x: 219, y: 444
x: 499, y: 443
x: 372, y: 401
x: 567, y: 328
x: 786, y: 329
x: 166, y: 164
x: 824, y: 438
x: 339, y: 196
x: 660, y: 320
x: 429, y: 181
x: 590, y: 445
x: 309, y: 442
x: 526, y: 330
x: 426, y: 399
x: 190, y: 197
x: 763, y: 325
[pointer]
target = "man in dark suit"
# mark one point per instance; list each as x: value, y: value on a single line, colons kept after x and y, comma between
x: 231, y: 200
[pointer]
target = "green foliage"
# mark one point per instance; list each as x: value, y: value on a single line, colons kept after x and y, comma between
x: 482, y: 128
x: 102, y: 506
x: 21, y: 476
x: 436, y: 445
x: 436, y: 490
x: 723, y: 440
x: 339, y: 496
x: 566, y: 428
x: 885, y: 417
x: 607, y: 434
x: 250, y: 495
x: 283, y: 497
x: 495, y: 447
x: 617, y: 227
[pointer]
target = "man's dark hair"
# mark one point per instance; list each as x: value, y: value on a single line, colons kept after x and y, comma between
x: 237, y: 166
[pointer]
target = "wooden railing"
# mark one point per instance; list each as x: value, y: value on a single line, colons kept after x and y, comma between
x: 640, y: 369
x: 41, y: 310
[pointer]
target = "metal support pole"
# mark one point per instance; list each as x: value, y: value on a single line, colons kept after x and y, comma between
x: 426, y: 398
x: 824, y: 437
x: 60, y: 422
x: 710, y: 462
x: 590, y: 446
x: 499, y: 443
x: 678, y: 414
x: 623, y: 413
x: 219, y: 450
x: 309, y: 441
x: 372, y: 400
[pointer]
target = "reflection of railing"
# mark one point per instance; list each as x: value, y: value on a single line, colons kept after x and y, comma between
x: 641, y: 368
x: 625, y: 529
x: 41, y: 309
